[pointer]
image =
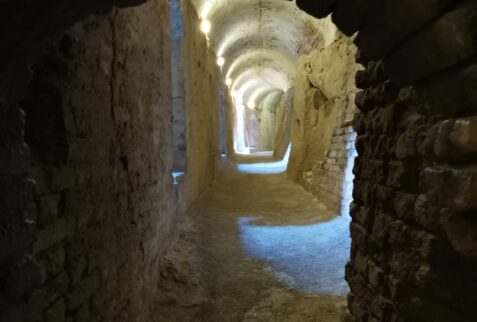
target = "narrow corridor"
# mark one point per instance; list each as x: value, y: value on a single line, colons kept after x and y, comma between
x: 135, y: 146
x: 261, y: 248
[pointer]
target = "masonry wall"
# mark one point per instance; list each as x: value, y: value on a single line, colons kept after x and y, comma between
x: 413, y: 255
x: 323, y: 108
x: 202, y: 84
x: 98, y: 132
x: 413, y: 249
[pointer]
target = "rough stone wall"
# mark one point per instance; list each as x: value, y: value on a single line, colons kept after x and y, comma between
x: 28, y: 28
x: 97, y: 125
x: 414, y: 245
x: 223, y: 119
x: 413, y: 256
x: 178, y: 90
x: 230, y: 118
x: 322, y: 141
x: 283, y: 124
x: 202, y: 85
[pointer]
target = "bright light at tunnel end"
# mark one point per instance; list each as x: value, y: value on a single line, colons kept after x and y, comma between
x: 228, y: 82
x: 251, y: 105
x: 205, y: 26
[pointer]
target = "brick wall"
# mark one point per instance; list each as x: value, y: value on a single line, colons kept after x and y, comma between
x: 322, y: 139
x: 332, y: 180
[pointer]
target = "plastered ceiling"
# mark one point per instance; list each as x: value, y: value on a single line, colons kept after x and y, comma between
x: 260, y: 41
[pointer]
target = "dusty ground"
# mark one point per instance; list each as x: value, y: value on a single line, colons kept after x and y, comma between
x: 256, y: 248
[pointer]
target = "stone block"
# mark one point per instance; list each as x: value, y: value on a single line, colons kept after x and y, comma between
x: 463, y: 137
x: 406, y: 145
x: 451, y: 187
x: 380, y: 229
x: 440, y: 137
x: 446, y: 42
x: 461, y: 229
x: 427, y: 215
x: 380, y: 308
x: 404, y: 205
x: 399, y: 235
x: 358, y: 234
x: 360, y: 264
x: 375, y: 275
x: 455, y: 140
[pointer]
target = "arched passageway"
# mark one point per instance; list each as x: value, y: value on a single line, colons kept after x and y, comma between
x: 93, y: 228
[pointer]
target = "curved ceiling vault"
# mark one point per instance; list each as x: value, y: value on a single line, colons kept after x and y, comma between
x: 260, y: 41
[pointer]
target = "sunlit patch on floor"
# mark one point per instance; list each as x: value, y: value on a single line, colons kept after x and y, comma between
x: 265, y: 167
x: 307, y: 258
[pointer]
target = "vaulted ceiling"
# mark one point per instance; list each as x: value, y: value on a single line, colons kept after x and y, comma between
x: 260, y: 41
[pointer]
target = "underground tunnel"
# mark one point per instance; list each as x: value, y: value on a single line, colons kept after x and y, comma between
x: 245, y: 160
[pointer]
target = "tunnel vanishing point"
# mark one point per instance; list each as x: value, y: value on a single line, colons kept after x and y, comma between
x: 238, y: 160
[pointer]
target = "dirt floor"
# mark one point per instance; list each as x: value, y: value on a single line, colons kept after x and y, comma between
x: 256, y: 248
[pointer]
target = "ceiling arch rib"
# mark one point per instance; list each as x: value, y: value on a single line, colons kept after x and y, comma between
x: 257, y: 60
x: 269, y: 77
